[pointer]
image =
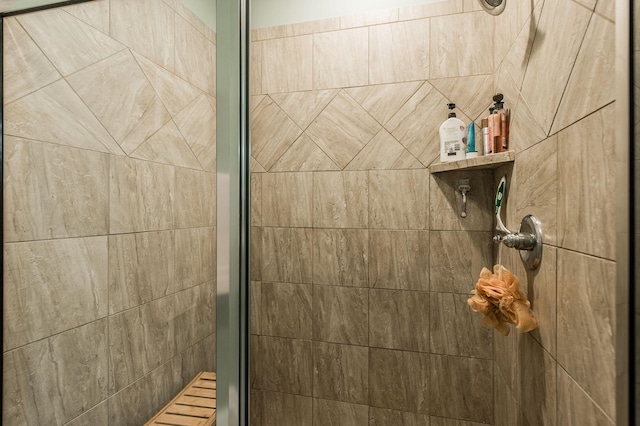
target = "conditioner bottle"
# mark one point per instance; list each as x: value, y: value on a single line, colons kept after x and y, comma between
x: 453, y: 138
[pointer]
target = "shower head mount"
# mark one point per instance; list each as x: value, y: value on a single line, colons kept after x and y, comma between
x: 493, y: 7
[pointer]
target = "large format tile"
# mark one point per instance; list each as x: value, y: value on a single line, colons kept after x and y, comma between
x: 141, y: 195
x: 564, y: 22
x: 141, y: 268
x: 538, y: 383
x: 399, y: 320
x: 69, y: 43
x: 472, y: 94
x: 607, y: 8
x: 195, y: 253
x: 304, y: 107
x: 386, y: 417
x: 585, y: 179
x: 537, y: 186
x: 56, y: 114
x: 256, y: 199
x: 419, y: 135
x: 442, y: 421
x: 343, y: 129
x: 540, y: 288
x: 341, y: 372
x: 94, y: 13
x: 195, y: 316
x: 167, y: 146
x: 287, y: 64
x: 26, y: 68
x: 286, y: 310
x: 461, y: 388
x: 340, y: 58
x: 174, y: 92
x: 52, y: 191
x: 369, y: 18
x: 390, y: 208
x: 156, y: 388
x: 399, y: 52
x: 511, y: 25
x: 524, y: 124
x: 384, y: 152
x: 53, y: 286
x: 586, y: 338
x: 140, y: 340
x: 98, y: 415
x: 286, y: 255
x: 515, y: 49
x: 280, y: 409
x: 273, y: 133
x: 304, y: 156
x: 456, y: 259
x: 287, y: 199
x: 195, y: 57
x: 459, y: 44
x: 195, y: 198
x: 456, y: 329
x: 591, y: 75
x: 506, y: 409
x: 340, y: 314
x: 336, y: 413
x: 399, y: 380
x: 255, y: 68
x: 197, y: 123
x: 575, y: 407
x: 398, y: 259
x: 286, y: 365
x: 131, y: 97
x: 445, y: 203
x: 340, y: 200
x: 146, y: 26
x: 56, y: 379
x: 384, y: 100
x: 255, y: 309
x: 199, y: 357
x: 428, y: 10
x: 340, y: 257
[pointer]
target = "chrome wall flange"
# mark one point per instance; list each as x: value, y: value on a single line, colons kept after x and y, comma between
x: 528, y: 240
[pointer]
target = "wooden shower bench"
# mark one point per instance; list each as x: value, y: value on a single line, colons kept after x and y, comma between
x: 195, y: 405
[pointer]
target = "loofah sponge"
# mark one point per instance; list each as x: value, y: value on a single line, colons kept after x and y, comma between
x: 498, y: 297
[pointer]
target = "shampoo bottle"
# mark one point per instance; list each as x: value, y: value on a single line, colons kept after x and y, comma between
x: 471, y: 141
x: 453, y: 138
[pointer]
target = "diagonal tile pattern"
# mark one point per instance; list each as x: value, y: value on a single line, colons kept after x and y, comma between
x: 26, y: 68
x: 130, y: 94
x: 69, y: 43
x: 343, y: 129
x: 174, y: 92
x: 56, y: 114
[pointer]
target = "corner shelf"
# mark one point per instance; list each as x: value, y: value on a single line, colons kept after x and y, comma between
x: 491, y: 161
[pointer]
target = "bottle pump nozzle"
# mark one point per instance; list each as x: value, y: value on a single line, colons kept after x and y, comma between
x: 451, y: 107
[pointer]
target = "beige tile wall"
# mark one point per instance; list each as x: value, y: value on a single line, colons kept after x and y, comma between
x: 361, y: 261
x: 109, y: 220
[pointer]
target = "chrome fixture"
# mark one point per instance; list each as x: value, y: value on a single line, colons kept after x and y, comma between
x: 493, y: 7
x: 528, y: 240
x: 464, y: 187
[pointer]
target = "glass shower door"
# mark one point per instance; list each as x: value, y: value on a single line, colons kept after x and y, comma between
x: 109, y: 180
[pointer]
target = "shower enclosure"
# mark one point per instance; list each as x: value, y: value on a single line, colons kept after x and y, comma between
x: 361, y: 261
x: 126, y: 219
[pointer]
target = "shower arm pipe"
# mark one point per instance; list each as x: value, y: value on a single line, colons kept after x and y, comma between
x: 493, y: 7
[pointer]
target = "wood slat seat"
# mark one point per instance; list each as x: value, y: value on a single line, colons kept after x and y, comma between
x: 195, y: 405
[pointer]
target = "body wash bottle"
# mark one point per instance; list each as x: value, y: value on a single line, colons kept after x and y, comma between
x: 453, y: 138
